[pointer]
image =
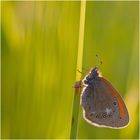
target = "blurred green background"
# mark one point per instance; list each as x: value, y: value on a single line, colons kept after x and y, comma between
x: 39, y: 54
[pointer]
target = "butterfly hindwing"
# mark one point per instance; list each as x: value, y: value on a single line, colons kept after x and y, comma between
x: 101, y: 103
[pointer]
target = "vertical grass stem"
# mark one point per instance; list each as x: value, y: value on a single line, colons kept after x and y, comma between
x: 76, y: 100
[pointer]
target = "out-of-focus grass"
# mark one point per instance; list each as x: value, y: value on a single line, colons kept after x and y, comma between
x: 39, y: 52
x: 39, y: 48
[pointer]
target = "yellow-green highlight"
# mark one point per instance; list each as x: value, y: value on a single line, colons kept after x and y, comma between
x: 81, y: 40
x: 36, y: 87
x: 77, y: 91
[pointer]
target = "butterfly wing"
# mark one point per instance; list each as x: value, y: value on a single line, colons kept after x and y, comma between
x: 103, y: 106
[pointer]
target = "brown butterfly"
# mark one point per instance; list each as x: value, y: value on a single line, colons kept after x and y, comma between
x: 101, y: 102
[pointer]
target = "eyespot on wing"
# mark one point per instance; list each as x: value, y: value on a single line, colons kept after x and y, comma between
x: 115, y: 93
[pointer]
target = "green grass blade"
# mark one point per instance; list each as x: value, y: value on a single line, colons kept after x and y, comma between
x: 76, y: 101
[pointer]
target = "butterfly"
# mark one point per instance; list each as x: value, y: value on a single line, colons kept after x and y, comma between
x: 101, y: 102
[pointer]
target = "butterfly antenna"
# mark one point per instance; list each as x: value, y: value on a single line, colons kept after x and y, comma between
x: 98, y: 61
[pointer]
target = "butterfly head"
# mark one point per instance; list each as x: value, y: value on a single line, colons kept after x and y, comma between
x: 93, y: 74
